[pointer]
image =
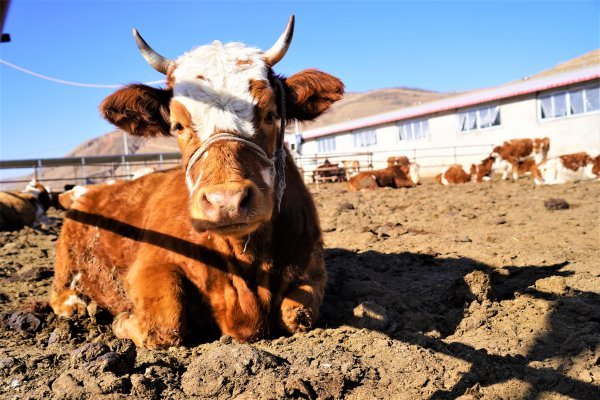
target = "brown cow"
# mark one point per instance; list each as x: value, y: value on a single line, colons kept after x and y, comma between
x: 26, y: 208
x: 482, y: 171
x: 455, y: 174
x: 229, y: 242
x: 514, y: 151
x: 394, y: 177
x: 401, y: 161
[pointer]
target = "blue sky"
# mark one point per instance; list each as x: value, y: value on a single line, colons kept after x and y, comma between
x: 443, y: 46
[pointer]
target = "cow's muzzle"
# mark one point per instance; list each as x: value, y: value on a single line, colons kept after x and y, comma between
x: 234, y: 208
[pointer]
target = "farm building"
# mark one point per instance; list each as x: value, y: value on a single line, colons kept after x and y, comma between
x: 464, y: 128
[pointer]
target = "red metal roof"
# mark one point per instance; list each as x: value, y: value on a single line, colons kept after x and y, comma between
x: 460, y: 101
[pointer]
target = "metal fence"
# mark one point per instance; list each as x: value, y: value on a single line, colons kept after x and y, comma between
x: 94, y: 169
x: 430, y: 159
x: 83, y: 170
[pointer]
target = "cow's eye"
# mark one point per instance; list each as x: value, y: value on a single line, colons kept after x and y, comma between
x: 177, y: 127
x: 270, y: 118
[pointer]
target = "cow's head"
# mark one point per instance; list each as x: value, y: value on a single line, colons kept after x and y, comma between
x: 228, y: 110
x: 541, y: 146
x: 35, y: 188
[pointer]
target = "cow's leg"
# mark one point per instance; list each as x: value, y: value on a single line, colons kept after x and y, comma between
x: 65, y: 298
x: 300, y: 305
x: 158, y: 319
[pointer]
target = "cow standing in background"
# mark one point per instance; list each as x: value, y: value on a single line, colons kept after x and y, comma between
x: 567, y: 168
x: 230, y: 242
x: 26, y: 208
x: 512, y: 152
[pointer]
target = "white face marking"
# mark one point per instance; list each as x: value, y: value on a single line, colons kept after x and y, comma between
x: 213, y: 83
x: 444, y: 180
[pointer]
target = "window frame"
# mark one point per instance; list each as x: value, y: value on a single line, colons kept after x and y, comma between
x: 361, y: 136
x: 467, y: 111
x: 329, y: 144
x: 551, y: 95
x: 412, y: 123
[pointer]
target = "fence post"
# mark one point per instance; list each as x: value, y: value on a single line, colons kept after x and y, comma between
x: 160, y: 160
x: 41, y: 174
x: 414, y: 155
x: 83, y: 172
x: 455, y: 159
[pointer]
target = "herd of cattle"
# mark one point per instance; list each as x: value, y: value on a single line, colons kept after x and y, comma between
x: 517, y: 157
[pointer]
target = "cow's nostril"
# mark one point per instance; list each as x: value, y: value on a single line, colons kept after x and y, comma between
x: 246, y: 199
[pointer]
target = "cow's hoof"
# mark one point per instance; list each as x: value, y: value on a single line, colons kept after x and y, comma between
x: 297, y: 319
x: 68, y: 303
x: 125, y: 326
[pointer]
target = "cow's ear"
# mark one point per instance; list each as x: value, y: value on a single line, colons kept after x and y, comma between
x: 310, y: 93
x: 139, y: 110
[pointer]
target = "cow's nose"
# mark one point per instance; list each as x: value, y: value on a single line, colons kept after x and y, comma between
x: 231, y: 205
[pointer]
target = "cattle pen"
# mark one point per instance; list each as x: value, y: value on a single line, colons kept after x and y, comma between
x: 56, y: 172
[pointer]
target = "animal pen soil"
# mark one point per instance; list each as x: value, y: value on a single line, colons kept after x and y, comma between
x: 470, y: 291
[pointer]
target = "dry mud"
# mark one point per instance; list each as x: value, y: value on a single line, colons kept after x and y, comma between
x: 471, y: 292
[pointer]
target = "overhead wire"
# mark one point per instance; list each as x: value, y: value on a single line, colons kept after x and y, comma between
x: 65, y: 82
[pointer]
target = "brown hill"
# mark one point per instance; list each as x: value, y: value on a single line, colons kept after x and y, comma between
x: 358, y: 105
x: 587, y: 60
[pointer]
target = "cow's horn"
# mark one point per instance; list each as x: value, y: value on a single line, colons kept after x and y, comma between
x: 277, y: 52
x: 156, y: 61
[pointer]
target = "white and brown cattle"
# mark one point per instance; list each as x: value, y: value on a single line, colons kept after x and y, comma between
x: 567, y: 168
x: 455, y: 174
x: 394, y: 177
x: 351, y: 168
x: 483, y: 171
x: 228, y: 244
x: 25, y: 208
x: 401, y: 161
x: 514, y: 151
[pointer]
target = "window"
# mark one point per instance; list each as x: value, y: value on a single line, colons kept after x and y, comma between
x: 364, y: 138
x: 326, y: 144
x: 414, y: 130
x: 571, y: 102
x: 479, y: 118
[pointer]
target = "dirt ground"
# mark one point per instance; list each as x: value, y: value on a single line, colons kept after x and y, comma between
x: 476, y: 291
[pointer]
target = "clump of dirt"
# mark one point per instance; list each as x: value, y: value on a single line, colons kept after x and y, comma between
x: 472, y: 291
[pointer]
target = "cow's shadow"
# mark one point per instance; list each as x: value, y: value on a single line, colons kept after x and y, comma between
x: 425, y: 298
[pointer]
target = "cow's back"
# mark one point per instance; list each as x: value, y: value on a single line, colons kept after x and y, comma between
x: 16, y: 210
x: 108, y: 228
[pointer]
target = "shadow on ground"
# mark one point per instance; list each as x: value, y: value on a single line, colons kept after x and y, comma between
x: 437, y: 303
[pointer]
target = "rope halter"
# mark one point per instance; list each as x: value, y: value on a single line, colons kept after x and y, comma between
x: 277, y: 163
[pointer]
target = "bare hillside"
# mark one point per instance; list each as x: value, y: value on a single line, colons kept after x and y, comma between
x: 587, y: 60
